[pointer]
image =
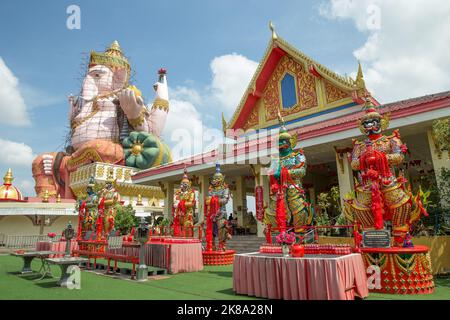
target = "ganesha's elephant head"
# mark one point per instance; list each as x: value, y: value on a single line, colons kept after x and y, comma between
x: 108, y: 71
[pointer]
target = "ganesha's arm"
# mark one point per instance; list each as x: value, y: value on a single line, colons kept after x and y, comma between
x: 156, y: 119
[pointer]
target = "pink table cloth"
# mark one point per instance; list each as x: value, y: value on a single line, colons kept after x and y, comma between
x: 175, y: 257
x: 313, y: 277
x: 59, y: 246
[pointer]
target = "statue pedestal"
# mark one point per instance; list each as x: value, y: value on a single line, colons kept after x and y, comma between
x: 142, y: 273
x: 401, y: 270
x: 218, y: 258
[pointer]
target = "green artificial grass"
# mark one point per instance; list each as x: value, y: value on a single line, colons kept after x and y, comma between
x: 214, y: 282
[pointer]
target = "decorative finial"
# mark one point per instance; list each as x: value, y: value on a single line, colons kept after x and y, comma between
x: 217, y: 167
x: 58, y: 198
x: 280, y: 118
x: 115, y: 46
x: 162, y: 71
x: 360, y: 78
x: 139, y: 200
x: 272, y: 28
x: 8, y: 178
x: 46, y: 196
x: 224, y: 124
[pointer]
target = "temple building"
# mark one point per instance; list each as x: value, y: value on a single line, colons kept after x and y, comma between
x: 22, y: 215
x: 321, y: 108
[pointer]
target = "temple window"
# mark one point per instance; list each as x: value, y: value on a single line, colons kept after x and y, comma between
x: 288, y: 92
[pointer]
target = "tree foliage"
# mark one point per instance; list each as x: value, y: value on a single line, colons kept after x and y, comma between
x: 441, y: 131
x: 125, y: 219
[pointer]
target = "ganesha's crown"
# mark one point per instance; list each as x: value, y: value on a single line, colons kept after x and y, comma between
x: 112, y: 57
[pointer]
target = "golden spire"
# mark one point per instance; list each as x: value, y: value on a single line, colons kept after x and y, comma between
x: 46, y: 196
x: 8, y: 178
x: 360, y: 78
x: 139, y: 200
x: 224, y: 124
x: 114, y: 49
x: 272, y: 28
x: 58, y: 198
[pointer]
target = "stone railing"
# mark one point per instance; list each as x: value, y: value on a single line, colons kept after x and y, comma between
x: 27, y: 241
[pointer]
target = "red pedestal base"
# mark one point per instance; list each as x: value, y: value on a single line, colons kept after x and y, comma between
x: 402, y: 270
x: 218, y: 258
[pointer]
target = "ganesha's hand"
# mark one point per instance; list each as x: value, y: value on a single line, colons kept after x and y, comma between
x: 47, y: 164
x: 130, y: 103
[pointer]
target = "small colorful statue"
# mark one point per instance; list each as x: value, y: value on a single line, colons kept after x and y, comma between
x: 109, y: 198
x: 185, y: 206
x: 88, y: 210
x: 380, y: 195
x: 287, y: 206
x: 216, y: 214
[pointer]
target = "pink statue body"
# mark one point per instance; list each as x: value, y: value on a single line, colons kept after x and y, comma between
x: 104, y: 113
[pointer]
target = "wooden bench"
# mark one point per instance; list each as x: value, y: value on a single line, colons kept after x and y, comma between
x: 96, y: 251
x: 101, y: 249
x: 116, y: 243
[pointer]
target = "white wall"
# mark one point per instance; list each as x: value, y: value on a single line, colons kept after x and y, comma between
x: 21, y: 225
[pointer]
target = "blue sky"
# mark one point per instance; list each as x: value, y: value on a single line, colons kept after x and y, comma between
x: 185, y: 37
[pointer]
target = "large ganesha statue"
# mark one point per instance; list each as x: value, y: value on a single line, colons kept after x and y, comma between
x: 107, y: 110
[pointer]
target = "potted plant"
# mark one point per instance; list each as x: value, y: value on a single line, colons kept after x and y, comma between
x: 286, y: 240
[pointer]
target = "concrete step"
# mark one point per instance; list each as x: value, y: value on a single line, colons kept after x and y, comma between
x: 244, y: 243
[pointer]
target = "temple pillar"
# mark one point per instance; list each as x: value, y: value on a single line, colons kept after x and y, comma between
x: 440, y: 160
x: 240, y: 200
x: 264, y: 182
x: 41, y: 225
x: 168, y: 199
x: 345, y: 174
x: 202, y: 194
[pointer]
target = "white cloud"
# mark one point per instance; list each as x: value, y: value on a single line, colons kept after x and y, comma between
x: 231, y: 76
x: 406, y: 51
x: 16, y: 153
x: 189, y: 131
x: 12, y: 105
x: 184, y: 129
x: 186, y: 94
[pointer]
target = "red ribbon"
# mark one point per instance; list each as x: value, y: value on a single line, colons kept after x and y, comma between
x: 99, y: 223
x: 81, y: 213
x: 214, y: 207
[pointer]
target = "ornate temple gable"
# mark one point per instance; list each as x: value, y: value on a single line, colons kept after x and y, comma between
x: 252, y: 120
x: 317, y: 88
x: 332, y: 93
x: 305, y: 89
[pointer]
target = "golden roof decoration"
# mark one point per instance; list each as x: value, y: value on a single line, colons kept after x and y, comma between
x: 345, y: 83
x: 8, y: 192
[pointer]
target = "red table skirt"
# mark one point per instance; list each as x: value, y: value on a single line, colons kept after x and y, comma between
x: 175, y: 257
x: 59, y: 246
x: 307, y: 278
